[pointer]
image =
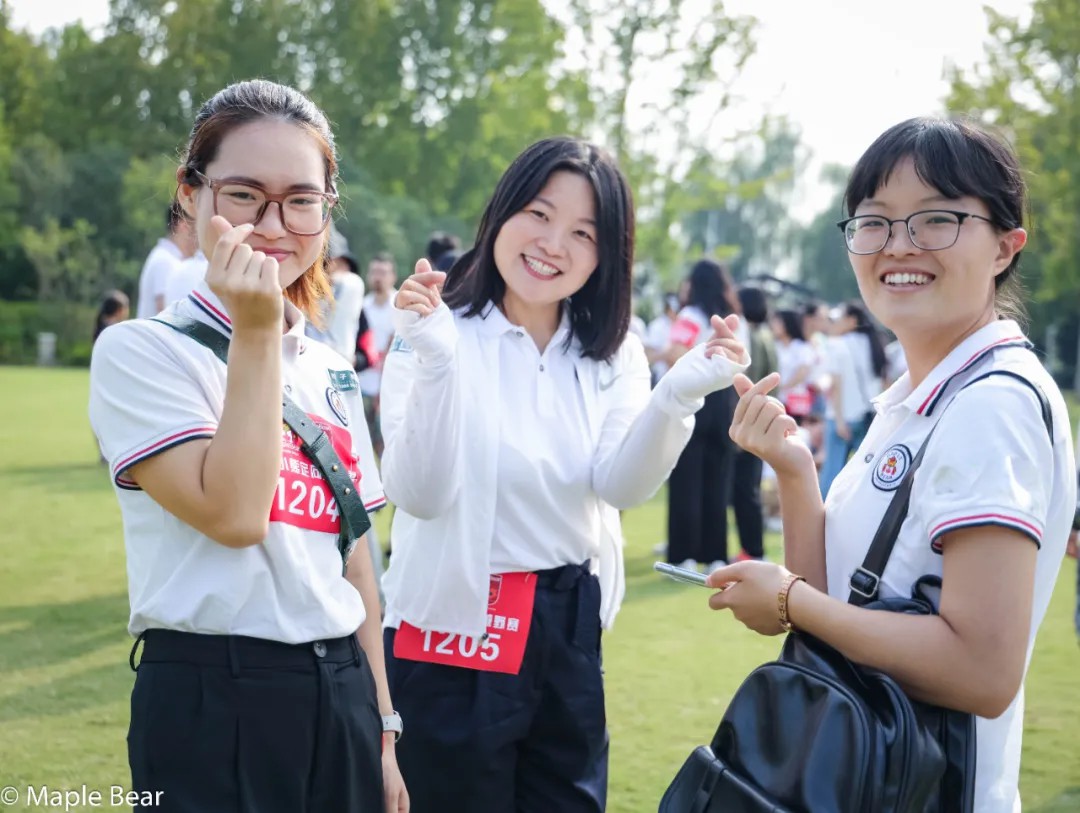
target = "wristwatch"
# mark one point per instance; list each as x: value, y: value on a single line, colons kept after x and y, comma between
x: 392, y: 722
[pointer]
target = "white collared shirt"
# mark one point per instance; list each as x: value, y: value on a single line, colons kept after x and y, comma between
x: 443, y: 421
x: 546, y: 513
x: 189, y: 275
x: 990, y: 462
x: 161, y: 263
x: 380, y: 319
x: 152, y: 388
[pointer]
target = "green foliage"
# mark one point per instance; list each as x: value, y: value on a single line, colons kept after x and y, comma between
x: 1030, y: 90
x: 823, y: 259
x: 738, y: 208
x: 21, y: 322
x: 430, y: 102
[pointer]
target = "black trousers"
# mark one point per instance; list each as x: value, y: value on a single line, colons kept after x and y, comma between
x: 699, y: 488
x: 229, y: 724
x: 746, y: 500
x: 534, y: 742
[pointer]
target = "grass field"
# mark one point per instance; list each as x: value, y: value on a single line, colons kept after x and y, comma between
x: 671, y: 664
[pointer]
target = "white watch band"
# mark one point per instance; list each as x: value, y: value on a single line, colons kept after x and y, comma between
x: 392, y: 722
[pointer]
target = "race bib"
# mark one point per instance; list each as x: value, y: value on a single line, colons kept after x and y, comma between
x: 685, y: 332
x: 303, y: 497
x: 509, y: 615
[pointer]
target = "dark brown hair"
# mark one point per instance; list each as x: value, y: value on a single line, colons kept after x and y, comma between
x: 246, y: 102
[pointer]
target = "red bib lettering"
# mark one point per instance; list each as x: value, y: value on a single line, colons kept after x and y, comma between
x: 509, y: 616
x: 303, y: 498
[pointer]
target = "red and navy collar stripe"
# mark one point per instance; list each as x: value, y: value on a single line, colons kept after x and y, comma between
x: 926, y: 408
x: 211, y: 310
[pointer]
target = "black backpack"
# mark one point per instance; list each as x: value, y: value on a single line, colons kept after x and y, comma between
x: 813, y: 731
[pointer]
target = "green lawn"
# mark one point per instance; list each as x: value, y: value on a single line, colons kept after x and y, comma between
x: 671, y: 664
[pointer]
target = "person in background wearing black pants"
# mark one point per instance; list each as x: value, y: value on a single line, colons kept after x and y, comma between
x: 699, y: 488
x: 746, y: 485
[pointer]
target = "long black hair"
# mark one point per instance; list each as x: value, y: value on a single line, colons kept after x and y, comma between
x: 600, y: 311
x: 711, y: 289
x: 112, y: 303
x: 863, y: 324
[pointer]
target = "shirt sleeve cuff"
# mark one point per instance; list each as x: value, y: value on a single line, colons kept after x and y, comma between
x: 977, y: 518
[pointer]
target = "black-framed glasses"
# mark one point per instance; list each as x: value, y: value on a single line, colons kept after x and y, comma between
x: 929, y: 230
x: 303, y: 213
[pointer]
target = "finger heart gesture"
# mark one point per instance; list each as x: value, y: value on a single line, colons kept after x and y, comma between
x: 422, y: 292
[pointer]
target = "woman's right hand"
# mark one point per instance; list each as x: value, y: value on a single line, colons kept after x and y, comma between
x: 421, y: 293
x: 246, y: 281
x: 762, y: 427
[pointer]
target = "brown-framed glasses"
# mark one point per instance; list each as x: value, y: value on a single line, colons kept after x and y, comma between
x: 304, y: 213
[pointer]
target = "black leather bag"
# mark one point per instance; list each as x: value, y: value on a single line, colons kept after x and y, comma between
x: 813, y: 731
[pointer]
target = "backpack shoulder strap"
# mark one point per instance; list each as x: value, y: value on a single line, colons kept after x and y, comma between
x: 866, y: 579
x: 313, y: 440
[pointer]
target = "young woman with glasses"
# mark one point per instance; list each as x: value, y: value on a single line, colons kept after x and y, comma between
x: 518, y: 419
x: 934, y: 234
x: 262, y: 683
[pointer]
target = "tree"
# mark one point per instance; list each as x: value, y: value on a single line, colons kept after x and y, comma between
x: 739, y: 207
x: 68, y: 267
x: 1030, y: 90
x: 823, y: 258
x: 659, y: 84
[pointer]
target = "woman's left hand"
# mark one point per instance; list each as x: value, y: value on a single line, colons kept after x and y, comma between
x: 751, y: 593
x: 723, y: 340
x: 395, y: 796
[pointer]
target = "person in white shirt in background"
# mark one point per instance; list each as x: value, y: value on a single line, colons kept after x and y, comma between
x: 934, y: 235
x: 658, y: 336
x: 379, y: 310
x: 855, y: 359
x: 797, y: 361
x: 895, y: 363
x: 518, y: 420
x: 341, y: 315
x: 186, y: 278
x: 162, y: 262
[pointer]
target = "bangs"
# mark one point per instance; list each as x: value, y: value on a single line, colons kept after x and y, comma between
x: 954, y: 158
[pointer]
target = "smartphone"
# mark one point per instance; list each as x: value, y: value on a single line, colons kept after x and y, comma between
x: 681, y: 574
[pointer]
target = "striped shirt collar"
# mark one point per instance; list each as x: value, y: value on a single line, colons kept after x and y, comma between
x: 923, y: 399
x: 206, y: 307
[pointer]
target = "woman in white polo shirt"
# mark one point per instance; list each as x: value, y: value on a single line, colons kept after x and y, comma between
x: 934, y: 236
x: 518, y: 419
x: 262, y: 678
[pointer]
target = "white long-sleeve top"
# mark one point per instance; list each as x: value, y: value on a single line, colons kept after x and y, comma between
x: 441, y: 423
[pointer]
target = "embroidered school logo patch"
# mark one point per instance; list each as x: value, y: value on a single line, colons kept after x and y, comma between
x: 333, y: 397
x: 399, y: 345
x: 342, y: 380
x: 891, y: 467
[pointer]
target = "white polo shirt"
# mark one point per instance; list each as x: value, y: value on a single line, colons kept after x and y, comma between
x: 152, y: 388
x: 161, y: 263
x: 990, y: 462
x: 188, y: 276
x: 546, y: 514
x: 381, y: 321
